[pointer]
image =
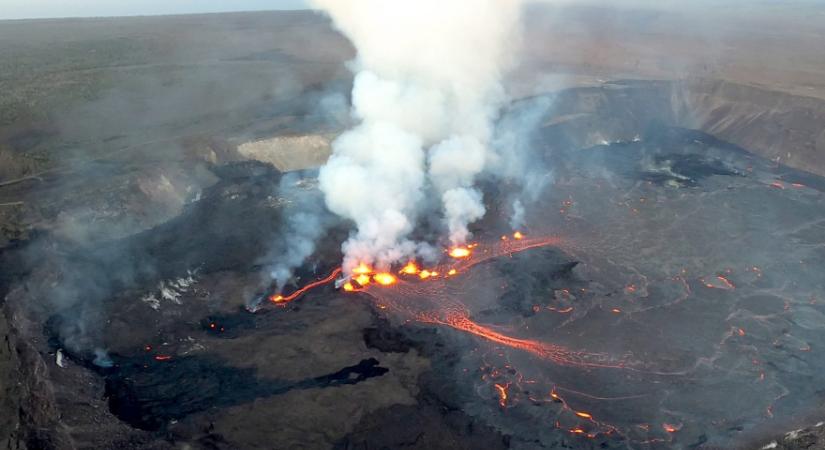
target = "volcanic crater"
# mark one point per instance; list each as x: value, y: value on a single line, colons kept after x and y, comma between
x: 664, y: 291
x: 637, y: 307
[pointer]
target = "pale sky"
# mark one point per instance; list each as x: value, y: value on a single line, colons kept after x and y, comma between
x: 30, y: 9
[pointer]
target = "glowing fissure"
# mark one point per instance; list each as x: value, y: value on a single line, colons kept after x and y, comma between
x: 451, y: 312
x: 555, y: 353
x: 282, y: 299
x: 421, y: 294
x: 435, y: 307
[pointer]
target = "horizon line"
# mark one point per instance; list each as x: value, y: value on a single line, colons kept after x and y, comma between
x: 138, y: 16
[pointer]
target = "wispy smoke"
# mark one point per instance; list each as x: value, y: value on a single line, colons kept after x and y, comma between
x: 517, y: 218
x: 516, y: 154
x: 304, y: 223
x: 426, y: 92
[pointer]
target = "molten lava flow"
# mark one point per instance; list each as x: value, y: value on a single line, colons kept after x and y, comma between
x: 451, y: 312
x: 410, y: 269
x: 718, y: 282
x: 280, y: 299
x: 362, y: 279
x: 417, y: 293
x: 362, y: 269
x: 502, y: 394
x: 459, y: 252
x: 420, y: 294
x: 725, y: 282
x: 384, y: 279
x: 557, y: 354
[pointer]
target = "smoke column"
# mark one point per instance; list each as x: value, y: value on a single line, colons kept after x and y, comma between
x: 304, y: 224
x: 426, y: 92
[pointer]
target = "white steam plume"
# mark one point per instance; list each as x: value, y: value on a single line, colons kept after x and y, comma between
x: 303, y: 226
x: 518, y: 159
x: 426, y: 92
x: 517, y: 218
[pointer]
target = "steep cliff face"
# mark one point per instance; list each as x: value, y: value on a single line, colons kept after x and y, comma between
x: 291, y: 152
x: 782, y: 127
x: 9, y: 423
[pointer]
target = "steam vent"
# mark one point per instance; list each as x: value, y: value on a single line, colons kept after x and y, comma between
x: 431, y: 224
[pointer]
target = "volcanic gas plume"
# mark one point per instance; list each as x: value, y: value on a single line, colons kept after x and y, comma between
x: 426, y: 91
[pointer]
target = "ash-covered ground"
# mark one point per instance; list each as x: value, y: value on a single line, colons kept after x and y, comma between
x: 684, y: 282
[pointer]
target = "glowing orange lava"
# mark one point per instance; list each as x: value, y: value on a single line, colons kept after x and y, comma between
x: 718, y: 282
x: 362, y: 279
x: 362, y: 269
x: 726, y: 282
x: 280, y: 299
x: 384, y: 279
x: 451, y: 312
x: 557, y: 354
x: 671, y: 428
x: 429, y: 305
x: 459, y: 252
x: 440, y: 301
x: 410, y: 269
x: 502, y: 394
